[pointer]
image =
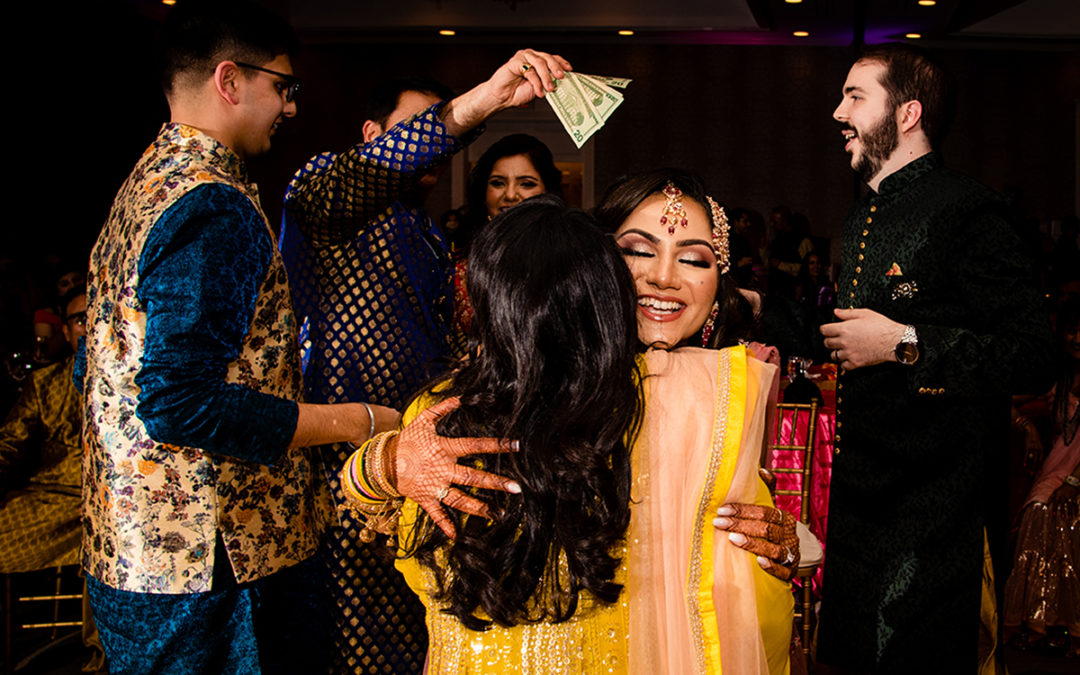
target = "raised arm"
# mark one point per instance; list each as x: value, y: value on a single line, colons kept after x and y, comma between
x: 334, y: 196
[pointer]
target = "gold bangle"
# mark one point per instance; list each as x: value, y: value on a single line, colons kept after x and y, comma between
x: 376, y: 467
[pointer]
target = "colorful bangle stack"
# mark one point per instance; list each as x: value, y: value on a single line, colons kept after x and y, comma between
x: 368, y: 479
x: 368, y: 476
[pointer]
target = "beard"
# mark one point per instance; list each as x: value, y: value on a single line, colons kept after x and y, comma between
x: 878, y: 142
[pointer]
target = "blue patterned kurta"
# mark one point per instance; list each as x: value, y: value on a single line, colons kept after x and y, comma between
x: 373, y: 276
x: 192, y: 373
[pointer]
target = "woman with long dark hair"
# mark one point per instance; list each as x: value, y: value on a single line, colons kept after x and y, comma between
x: 599, y: 543
x: 674, y: 238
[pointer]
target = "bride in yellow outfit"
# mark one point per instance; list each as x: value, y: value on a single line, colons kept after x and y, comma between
x: 602, y: 556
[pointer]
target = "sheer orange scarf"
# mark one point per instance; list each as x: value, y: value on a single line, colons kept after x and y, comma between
x: 699, y: 604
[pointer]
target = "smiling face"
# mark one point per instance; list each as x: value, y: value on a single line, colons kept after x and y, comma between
x: 675, y: 274
x: 512, y: 180
x: 869, y: 121
x: 264, y: 106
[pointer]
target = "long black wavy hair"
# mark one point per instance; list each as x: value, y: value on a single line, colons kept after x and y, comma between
x: 476, y: 214
x: 734, y: 321
x: 556, y: 370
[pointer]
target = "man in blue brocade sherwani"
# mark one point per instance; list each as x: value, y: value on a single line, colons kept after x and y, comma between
x: 941, y: 322
x: 372, y: 276
x: 203, y: 502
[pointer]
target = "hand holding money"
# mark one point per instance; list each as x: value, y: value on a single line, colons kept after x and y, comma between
x: 528, y: 74
x: 583, y: 103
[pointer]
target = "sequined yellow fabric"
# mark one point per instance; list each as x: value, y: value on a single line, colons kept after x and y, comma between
x: 594, y: 640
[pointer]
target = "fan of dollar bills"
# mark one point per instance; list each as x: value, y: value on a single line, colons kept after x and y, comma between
x: 583, y: 103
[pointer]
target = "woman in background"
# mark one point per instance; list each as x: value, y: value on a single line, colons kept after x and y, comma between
x: 513, y: 169
x: 1042, y: 594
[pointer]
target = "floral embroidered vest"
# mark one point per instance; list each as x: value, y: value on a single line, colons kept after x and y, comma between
x: 152, y: 511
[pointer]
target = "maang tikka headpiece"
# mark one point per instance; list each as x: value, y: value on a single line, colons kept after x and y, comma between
x: 675, y: 214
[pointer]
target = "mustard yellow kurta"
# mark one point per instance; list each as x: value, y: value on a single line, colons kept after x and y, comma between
x: 662, y: 617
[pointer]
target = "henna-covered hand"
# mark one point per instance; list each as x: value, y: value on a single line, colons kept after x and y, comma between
x: 427, y: 467
x: 764, y: 531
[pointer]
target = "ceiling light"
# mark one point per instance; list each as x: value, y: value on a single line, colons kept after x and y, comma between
x: 626, y: 32
x: 168, y: 2
x: 913, y: 36
x: 793, y: 2
x: 927, y: 3
x: 801, y: 33
x: 447, y: 32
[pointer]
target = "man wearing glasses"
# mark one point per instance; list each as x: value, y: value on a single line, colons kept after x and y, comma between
x: 202, y: 507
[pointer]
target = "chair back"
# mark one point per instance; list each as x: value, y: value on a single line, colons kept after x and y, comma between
x: 793, y: 444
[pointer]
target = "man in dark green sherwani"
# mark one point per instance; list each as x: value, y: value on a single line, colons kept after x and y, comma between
x: 941, y: 322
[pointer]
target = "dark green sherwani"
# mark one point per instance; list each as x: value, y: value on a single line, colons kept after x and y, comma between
x: 919, y: 448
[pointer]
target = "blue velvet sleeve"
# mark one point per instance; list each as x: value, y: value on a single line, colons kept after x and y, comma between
x: 199, y: 277
x: 78, y: 370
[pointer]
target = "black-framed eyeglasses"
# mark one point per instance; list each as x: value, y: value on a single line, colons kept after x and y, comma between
x: 292, y: 82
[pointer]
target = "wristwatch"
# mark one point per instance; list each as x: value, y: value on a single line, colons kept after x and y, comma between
x: 907, y: 350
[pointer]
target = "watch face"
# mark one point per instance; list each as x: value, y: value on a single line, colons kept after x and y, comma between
x: 906, y: 353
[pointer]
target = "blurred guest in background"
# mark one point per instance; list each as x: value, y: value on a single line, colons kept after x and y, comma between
x: 1042, y: 595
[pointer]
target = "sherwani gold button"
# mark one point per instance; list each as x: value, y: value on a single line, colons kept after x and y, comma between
x: 873, y: 208
x: 868, y: 221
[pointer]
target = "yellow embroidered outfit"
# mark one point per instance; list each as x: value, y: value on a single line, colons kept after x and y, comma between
x: 692, y: 602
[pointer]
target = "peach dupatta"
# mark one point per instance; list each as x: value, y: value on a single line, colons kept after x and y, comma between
x: 697, y: 603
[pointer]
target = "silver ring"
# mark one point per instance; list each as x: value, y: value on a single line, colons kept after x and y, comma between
x: 443, y: 493
x: 789, y: 558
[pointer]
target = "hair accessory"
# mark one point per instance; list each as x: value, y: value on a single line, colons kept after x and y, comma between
x: 710, y: 324
x: 720, y: 229
x: 673, y: 213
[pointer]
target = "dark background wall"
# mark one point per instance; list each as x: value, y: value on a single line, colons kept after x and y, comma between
x: 755, y: 121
